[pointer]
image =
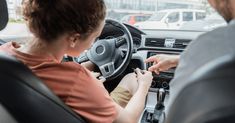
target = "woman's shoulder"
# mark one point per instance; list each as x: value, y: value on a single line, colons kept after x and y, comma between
x: 74, y: 67
x: 68, y: 66
x: 67, y: 71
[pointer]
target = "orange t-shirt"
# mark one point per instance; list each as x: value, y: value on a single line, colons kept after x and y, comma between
x: 73, y: 83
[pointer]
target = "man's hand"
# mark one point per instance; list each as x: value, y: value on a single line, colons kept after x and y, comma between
x: 162, y: 62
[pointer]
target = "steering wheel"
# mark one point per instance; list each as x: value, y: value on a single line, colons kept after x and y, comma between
x: 106, y: 53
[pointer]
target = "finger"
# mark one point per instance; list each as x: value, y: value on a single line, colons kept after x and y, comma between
x: 96, y: 74
x: 102, y: 79
x: 144, y: 71
x: 132, y: 74
x: 151, y: 59
x: 138, y: 71
x: 154, y: 63
x: 150, y: 67
x: 155, y: 67
x: 157, y: 72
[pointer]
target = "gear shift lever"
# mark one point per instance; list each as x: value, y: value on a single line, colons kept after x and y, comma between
x: 161, y: 96
x: 159, y: 108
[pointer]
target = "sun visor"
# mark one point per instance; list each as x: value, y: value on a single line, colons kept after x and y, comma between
x: 3, y: 14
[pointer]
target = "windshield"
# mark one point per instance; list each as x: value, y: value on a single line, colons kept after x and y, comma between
x: 157, y: 17
x: 193, y: 15
x: 143, y: 14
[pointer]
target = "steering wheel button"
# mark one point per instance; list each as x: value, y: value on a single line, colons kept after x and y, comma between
x: 106, y: 69
x: 100, y: 50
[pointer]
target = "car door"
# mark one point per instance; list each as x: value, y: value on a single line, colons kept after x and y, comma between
x: 173, y: 20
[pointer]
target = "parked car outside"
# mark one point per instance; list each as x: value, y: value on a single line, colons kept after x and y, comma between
x: 171, y: 19
x: 135, y: 18
x: 211, y: 22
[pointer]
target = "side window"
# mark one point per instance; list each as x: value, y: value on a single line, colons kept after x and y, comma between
x: 173, y: 17
x: 187, y: 16
x: 200, y: 15
x: 138, y: 18
x: 144, y: 18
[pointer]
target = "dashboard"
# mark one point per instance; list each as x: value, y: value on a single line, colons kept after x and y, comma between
x: 151, y: 42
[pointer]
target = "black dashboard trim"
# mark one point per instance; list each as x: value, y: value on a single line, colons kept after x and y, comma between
x: 161, y: 49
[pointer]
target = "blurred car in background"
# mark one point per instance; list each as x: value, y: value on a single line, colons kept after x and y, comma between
x: 171, y: 19
x: 211, y: 22
x: 134, y: 18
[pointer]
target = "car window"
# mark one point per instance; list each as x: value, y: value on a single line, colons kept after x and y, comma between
x: 173, y: 17
x: 122, y: 10
x: 187, y: 16
x: 142, y: 18
x: 158, y: 16
x: 200, y: 15
x: 146, y: 18
x: 139, y: 18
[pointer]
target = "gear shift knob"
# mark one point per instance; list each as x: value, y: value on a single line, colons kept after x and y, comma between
x: 159, y: 108
x: 161, y: 96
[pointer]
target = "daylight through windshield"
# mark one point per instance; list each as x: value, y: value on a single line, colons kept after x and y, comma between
x: 143, y: 14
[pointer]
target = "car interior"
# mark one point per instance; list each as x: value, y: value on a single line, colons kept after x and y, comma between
x: 208, y: 99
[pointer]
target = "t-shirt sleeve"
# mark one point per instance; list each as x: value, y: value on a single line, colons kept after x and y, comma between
x: 90, y: 99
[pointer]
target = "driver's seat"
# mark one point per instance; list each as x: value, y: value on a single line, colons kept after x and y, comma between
x: 27, y: 99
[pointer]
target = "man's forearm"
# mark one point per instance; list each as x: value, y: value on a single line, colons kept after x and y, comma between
x: 175, y: 60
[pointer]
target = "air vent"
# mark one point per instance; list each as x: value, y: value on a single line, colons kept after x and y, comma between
x: 154, y: 42
x: 181, y: 43
x: 161, y: 42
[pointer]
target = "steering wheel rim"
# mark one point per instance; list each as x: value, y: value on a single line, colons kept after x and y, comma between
x: 105, y: 52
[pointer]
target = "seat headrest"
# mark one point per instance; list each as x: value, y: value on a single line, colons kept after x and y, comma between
x: 3, y: 14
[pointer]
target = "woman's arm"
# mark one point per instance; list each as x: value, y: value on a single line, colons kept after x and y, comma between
x: 132, y: 112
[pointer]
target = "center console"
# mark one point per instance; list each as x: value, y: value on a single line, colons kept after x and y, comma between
x: 155, y: 104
